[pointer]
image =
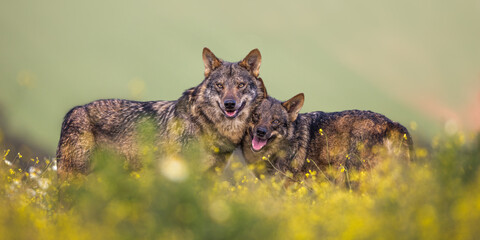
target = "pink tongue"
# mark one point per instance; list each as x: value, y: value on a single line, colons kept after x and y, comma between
x: 258, y: 144
x: 230, y: 114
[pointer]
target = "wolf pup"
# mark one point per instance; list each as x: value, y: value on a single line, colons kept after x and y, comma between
x: 216, y: 111
x: 352, y: 139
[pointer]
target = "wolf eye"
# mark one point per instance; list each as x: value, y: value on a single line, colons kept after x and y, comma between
x: 241, y: 85
x: 219, y: 85
x: 255, y: 117
x: 275, y: 122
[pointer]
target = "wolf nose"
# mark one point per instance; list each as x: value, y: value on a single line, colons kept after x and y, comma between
x: 261, y: 132
x: 229, y: 104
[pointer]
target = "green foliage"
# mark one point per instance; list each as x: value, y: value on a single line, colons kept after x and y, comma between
x: 436, y: 197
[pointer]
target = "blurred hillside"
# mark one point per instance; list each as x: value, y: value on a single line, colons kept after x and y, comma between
x: 412, y: 61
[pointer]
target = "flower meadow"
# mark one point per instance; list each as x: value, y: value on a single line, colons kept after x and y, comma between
x: 435, y: 197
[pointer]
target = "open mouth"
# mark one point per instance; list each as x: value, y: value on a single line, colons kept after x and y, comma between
x: 232, y: 113
x: 258, y: 143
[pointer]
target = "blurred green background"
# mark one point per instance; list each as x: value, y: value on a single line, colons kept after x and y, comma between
x: 414, y: 61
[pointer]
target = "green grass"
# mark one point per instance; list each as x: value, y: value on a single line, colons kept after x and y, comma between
x: 436, y: 197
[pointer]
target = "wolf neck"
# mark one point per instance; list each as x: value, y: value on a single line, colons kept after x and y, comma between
x: 297, y: 141
x: 184, y: 103
x: 230, y: 130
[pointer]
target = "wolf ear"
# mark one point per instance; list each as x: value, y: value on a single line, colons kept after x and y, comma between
x: 210, y: 60
x: 293, y: 106
x: 262, y: 86
x: 252, y: 62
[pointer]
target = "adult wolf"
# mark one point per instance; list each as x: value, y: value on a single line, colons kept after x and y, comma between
x: 352, y: 139
x: 216, y: 111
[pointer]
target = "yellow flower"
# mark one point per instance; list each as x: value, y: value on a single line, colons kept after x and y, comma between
x: 320, y: 131
x: 405, y: 136
x: 6, y: 153
x: 20, y: 155
x: 135, y: 175
x: 215, y: 149
x: 307, y: 174
x: 347, y: 156
x: 342, y: 168
x: 11, y: 171
x: 308, y: 160
x: 264, y: 158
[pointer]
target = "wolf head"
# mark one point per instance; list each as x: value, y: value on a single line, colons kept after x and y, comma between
x: 271, y: 125
x: 229, y: 92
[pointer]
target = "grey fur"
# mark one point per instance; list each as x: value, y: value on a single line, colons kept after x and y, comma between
x: 198, y: 116
x: 353, y: 138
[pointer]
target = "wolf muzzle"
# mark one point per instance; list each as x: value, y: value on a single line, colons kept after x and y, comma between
x: 230, y: 108
x: 259, y: 138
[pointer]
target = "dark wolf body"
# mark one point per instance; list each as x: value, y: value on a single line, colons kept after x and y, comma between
x: 213, y: 114
x: 352, y: 139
